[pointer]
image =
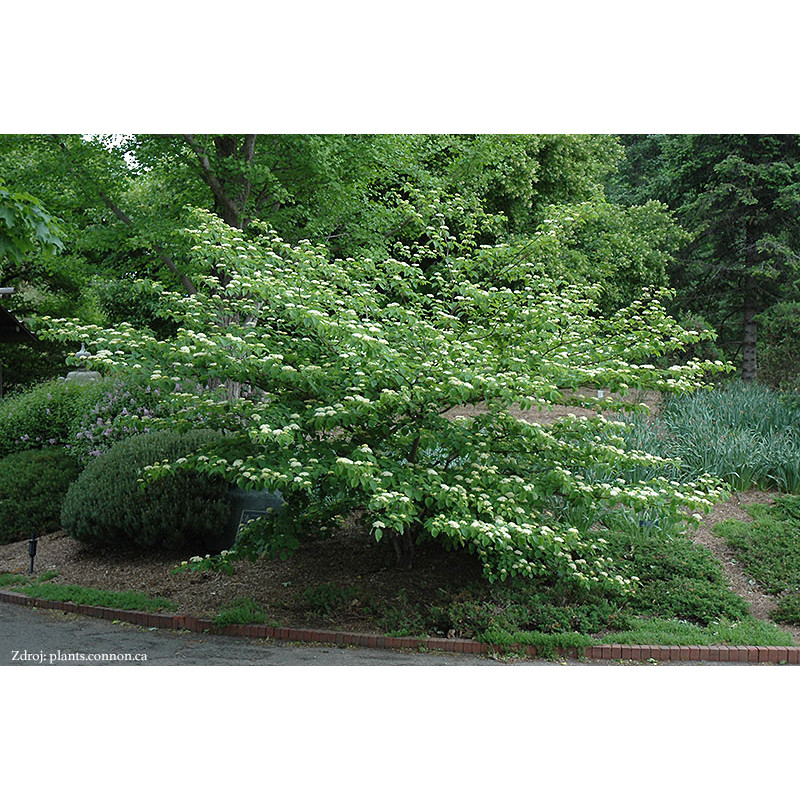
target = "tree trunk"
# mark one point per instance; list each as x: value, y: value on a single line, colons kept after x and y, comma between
x: 230, y: 187
x: 403, y: 544
x: 750, y: 326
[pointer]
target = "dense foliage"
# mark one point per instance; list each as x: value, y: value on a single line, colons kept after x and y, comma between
x: 109, y: 506
x: 779, y: 333
x: 739, y: 196
x: 747, y: 435
x: 113, y: 410
x: 367, y: 315
x: 44, y: 415
x: 33, y: 484
x: 24, y: 224
x: 347, y: 378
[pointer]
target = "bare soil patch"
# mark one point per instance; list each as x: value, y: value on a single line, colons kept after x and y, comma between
x: 761, y: 604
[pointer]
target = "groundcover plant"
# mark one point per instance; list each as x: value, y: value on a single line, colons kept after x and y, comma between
x: 334, y: 378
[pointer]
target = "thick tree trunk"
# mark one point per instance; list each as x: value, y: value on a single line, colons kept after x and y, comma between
x: 231, y: 189
x: 749, y: 342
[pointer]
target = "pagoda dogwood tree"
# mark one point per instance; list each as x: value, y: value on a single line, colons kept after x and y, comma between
x: 352, y: 374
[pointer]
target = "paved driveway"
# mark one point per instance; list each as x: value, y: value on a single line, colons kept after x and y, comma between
x: 36, y: 637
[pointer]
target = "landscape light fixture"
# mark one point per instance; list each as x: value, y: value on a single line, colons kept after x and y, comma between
x: 81, y: 374
x: 32, y: 548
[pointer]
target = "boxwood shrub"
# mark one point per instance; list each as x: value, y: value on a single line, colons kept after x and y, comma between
x: 32, y: 487
x: 107, y: 506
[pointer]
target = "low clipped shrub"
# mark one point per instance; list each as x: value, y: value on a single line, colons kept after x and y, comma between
x: 43, y: 415
x: 108, y: 506
x: 32, y: 487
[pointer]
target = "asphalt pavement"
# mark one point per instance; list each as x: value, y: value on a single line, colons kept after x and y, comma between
x: 40, y: 637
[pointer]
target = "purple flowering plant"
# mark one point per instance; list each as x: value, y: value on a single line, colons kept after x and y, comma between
x: 124, y: 409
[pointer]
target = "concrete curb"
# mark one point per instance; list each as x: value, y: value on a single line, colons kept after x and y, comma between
x: 605, y: 652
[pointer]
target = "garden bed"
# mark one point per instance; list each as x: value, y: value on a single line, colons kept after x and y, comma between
x: 348, y: 582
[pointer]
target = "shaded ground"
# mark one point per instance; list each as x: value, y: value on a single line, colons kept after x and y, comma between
x: 352, y: 562
x: 351, y: 565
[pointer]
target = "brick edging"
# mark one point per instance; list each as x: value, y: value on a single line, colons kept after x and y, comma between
x: 752, y: 654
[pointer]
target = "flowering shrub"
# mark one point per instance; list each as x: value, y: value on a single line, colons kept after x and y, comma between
x: 123, y: 409
x: 219, y: 562
x: 43, y: 416
x: 351, y: 366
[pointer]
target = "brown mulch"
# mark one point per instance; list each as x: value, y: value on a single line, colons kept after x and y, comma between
x: 350, y: 559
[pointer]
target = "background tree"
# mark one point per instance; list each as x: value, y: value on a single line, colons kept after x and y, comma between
x: 739, y: 196
x: 27, y: 229
x: 24, y: 225
x: 422, y: 199
x: 124, y: 199
x: 619, y: 249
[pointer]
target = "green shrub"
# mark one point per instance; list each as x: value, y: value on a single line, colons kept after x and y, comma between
x: 267, y: 537
x: 543, y: 612
x: 43, y: 415
x: 678, y: 579
x: 328, y: 598
x: 788, y: 609
x: 108, y: 506
x: 32, y: 486
x: 779, y: 343
x: 769, y: 546
x: 118, y: 409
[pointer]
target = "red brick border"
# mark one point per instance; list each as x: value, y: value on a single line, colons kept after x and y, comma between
x: 604, y: 652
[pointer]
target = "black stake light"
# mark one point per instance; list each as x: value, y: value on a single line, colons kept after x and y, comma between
x: 32, y: 548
